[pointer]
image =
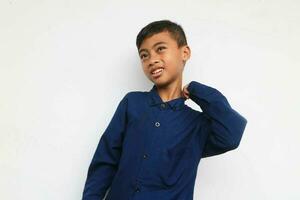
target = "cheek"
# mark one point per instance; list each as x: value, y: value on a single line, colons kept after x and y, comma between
x: 173, y: 64
x: 145, y: 70
x: 172, y: 58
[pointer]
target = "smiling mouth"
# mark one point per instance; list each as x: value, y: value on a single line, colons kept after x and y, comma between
x: 157, y: 73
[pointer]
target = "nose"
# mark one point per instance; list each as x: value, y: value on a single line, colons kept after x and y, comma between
x: 153, y: 60
x: 152, y: 63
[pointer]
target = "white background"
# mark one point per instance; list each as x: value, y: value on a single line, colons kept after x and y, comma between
x: 65, y: 65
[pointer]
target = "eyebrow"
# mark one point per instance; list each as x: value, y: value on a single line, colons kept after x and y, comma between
x: 157, y: 43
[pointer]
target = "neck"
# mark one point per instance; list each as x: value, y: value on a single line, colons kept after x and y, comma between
x: 171, y: 91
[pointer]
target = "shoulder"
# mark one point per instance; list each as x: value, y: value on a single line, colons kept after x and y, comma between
x: 136, y: 103
x: 192, y: 110
x: 200, y: 115
x: 136, y: 95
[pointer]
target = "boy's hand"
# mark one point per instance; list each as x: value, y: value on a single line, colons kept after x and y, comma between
x: 185, y: 92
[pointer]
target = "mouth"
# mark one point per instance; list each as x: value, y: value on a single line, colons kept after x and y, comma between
x: 157, y: 72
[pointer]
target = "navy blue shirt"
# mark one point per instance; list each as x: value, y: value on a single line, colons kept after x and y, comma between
x: 151, y: 149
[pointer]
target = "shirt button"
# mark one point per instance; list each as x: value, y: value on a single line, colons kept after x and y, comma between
x: 163, y: 105
x: 137, y: 189
x: 157, y: 124
x: 145, y: 156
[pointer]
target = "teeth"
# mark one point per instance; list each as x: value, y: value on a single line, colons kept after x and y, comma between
x: 156, y: 71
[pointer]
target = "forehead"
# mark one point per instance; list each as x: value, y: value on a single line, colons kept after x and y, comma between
x: 158, y: 37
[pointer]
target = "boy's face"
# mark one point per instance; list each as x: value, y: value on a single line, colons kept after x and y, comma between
x: 160, y: 51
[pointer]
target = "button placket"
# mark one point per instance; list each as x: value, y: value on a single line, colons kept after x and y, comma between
x: 157, y: 124
x: 163, y: 105
x: 137, y: 189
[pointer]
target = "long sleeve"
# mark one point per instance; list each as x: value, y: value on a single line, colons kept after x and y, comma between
x: 105, y: 161
x: 223, y: 125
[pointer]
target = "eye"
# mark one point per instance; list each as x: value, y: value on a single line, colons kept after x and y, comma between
x: 142, y: 56
x: 160, y: 48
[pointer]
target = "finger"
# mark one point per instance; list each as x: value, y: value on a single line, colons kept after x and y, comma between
x: 186, y: 90
x: 186, y: 95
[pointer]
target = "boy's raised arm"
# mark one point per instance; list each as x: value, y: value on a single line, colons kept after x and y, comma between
x: 223, y: 125
x: 104, y: 164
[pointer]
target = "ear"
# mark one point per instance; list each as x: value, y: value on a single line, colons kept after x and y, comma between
x: 186, y: 53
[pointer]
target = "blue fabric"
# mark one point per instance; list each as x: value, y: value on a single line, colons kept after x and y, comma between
x: 151, y: 149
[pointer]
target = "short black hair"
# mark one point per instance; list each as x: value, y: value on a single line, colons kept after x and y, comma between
x: 175, y: 30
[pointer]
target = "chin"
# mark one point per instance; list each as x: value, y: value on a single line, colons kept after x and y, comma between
x: 161, y: 83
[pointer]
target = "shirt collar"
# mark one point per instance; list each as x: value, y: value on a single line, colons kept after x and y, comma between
x: 155, y: 99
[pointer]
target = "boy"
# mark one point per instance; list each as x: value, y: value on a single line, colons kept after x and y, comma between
x: 154, y: 141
